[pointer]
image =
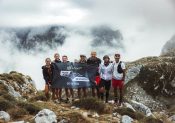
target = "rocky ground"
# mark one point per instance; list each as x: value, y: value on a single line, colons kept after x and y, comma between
x: 20, y: 101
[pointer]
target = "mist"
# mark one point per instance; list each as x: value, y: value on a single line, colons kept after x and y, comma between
x: 24, y: 49
x: 136, y: 29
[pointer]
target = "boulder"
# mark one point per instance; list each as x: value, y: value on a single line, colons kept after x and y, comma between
x: 132, y: 72
x: 4, y: 116
x: 172, y: 118
x: 126, y: 119
x: 46, y: 116
x: 127, y: 105
x: 142, y: 108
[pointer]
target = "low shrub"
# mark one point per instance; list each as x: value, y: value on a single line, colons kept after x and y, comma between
x: 5, y: 105
x: 91, y: 103
x: 39, y: 96
x: 17, y: 112
x: 150, y: 119
x: 29, y: 107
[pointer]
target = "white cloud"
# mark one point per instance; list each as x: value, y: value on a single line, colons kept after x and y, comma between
x: 40, y: 12
x: 145, y: 25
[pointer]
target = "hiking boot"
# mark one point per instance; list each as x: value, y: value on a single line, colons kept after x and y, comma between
x: 67, y: 100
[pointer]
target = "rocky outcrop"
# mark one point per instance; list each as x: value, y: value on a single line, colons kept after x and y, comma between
x: 153, y: 82
x: 17, y: 84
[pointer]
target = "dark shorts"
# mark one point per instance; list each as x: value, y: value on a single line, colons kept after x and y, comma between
x: 105, y: 83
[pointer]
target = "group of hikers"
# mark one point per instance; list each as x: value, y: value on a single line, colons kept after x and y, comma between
x: 108, y: 74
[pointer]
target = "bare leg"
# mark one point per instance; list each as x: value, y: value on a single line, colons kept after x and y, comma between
x: 79, y: 93
x: 60, y: 93
x: 47, y: 91
x: 57, y: 93
x: 72, y: 93
x: 67, y: 93
x: 93, y: 92
x: 84, y: 92
x: 53, y: 93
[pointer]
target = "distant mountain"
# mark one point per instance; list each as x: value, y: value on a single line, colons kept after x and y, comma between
x: 39, y: 38
x: 36, y: 37
x: 104, y: 35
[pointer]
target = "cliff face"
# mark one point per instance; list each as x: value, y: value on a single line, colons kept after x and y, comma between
x: 153, y: 83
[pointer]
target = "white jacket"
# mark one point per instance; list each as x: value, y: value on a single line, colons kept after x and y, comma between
x: 106, y: 71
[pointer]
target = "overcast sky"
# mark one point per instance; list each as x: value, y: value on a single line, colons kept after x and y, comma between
x: 145, y: 24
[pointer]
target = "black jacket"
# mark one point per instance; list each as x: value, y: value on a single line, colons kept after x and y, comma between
x: 96, y: 62
x: 93, y: 61
x: 47, y: 74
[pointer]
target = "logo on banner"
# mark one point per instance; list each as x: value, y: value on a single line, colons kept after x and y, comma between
x: 65, y: 73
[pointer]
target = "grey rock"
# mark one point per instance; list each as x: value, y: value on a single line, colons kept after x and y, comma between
x: 172, y: 118
x: 126, y: 119
x: 132, y: 72
x: 142, y: 108
x: 4, y: 116
x: 46, y: 116
x: 127, y: 105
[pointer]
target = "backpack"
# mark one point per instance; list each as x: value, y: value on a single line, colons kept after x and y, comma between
x: 119, y: 68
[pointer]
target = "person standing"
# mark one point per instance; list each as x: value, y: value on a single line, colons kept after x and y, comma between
x: 94, y: 61
x: 47, y: 75
x: 56, y: 90
x: 105, y: 71
x: 65, y: 60
x: 82, y: 61
x: 119, y: 73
